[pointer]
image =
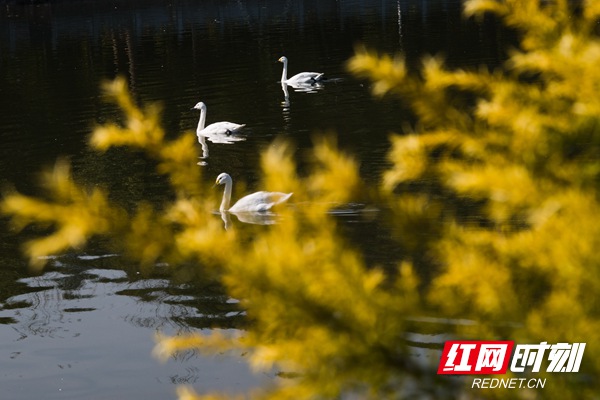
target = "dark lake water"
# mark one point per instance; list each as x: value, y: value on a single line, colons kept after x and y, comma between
x: 84, y: 328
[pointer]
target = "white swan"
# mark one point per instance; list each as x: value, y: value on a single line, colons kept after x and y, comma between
x: 255, y: 202
x: 219, y: 132
x: 302, y: 77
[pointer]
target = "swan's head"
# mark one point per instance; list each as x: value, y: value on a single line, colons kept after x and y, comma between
x: 282, y: 59
x: 222, y: 178
x: 199, y: 106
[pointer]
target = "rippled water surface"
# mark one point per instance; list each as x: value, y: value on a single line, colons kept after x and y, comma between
x: 85, y: 328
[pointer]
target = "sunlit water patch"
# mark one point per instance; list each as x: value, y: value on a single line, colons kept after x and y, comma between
x: 85, y: 331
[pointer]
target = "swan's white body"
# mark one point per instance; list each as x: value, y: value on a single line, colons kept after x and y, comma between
x: 301, y: 78
x: 255, y: 202
x: 219, y: 132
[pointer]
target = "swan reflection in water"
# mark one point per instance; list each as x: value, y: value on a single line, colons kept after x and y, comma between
x: 254, y: 218
x: 304, y: 87
x: 286, y: 97
x: 219, y: 132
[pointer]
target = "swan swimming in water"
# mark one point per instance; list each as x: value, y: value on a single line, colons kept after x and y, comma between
x: 301, y: 78
x: 219, y: 132
x: 255, y: 202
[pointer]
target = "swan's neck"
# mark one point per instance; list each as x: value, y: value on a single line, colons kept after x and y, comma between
x: 202, y: 120
x: 226, y: 196
x: 284, y: 73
